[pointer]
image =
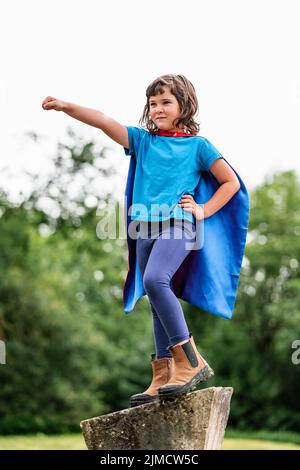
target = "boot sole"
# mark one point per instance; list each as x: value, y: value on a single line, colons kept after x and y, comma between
x: 175, y: 390
x: 142, y: 400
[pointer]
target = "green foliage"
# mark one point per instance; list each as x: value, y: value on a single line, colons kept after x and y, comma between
x: 68, y: 341
x: 72, y: 353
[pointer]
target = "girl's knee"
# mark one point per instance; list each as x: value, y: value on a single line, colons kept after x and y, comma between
x: 153, y: 281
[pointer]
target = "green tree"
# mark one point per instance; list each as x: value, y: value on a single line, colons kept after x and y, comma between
x: 69, y: 345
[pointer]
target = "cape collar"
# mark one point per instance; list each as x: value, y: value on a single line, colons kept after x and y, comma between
x: 173, y: 134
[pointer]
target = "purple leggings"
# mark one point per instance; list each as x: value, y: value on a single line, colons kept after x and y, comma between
x: 158, y: 259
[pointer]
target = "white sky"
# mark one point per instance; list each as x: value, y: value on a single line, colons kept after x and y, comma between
x: 242, y: 57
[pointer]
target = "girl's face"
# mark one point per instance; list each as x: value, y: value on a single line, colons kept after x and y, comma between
x: 164, y: 109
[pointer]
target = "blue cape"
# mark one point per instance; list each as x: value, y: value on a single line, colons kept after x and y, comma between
x: 208, y: 277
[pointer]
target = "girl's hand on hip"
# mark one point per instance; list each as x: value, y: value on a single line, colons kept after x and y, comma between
x: 52, y: 103
x: 188, y: 204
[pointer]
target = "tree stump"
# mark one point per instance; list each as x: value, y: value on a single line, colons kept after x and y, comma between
x: 194, y: 421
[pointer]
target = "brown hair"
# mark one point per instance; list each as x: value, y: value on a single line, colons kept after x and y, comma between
x: 185, y: 94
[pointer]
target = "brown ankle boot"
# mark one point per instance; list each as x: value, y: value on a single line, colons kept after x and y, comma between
x: 190, y: 368
x: 162, y: 370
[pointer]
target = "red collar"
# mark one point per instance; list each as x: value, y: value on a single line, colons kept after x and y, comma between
x: 173, y: 134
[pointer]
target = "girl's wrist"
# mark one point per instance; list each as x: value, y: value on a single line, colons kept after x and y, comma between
x: 65, y: 106
x: 199, y: 212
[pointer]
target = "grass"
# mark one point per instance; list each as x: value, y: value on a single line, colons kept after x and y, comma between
x: 277, y: 436
x: 43, y: 442
x: 255, y: 444
x: 234, y: 441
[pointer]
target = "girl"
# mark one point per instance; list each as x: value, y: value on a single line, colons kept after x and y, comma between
x: 176, y: 181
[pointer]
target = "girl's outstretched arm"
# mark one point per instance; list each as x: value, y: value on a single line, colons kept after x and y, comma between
x: 92, y: 117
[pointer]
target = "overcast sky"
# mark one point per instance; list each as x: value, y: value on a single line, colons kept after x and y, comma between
x: 242, y: 57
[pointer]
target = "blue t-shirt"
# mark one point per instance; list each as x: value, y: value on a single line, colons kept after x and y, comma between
x: 166, y: 169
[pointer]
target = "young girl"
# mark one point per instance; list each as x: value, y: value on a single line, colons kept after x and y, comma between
x: 176, y: 181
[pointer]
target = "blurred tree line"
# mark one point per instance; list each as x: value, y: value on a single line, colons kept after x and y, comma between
x: 72, y: 353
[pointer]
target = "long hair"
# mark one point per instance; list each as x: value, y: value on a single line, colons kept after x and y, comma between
x: 185, y: 94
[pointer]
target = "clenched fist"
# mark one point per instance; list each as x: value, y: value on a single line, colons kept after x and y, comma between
x: 52, y: 103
